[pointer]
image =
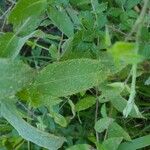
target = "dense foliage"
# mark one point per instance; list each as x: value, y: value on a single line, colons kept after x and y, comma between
x: 75, y: 74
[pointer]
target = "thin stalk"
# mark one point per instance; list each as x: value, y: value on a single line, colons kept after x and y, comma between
x: 96, y: 113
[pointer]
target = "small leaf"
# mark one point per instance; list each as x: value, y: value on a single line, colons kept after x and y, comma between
x: 85, y: 103
x: 104, y: 111
x: 61, y: 20
x: 107, y: 38
x: 58, y: 118
x: 112, y: 143
x: 72, y: 108
x: 115, y: 130
x: 125, y: 52
x: 103, y: 124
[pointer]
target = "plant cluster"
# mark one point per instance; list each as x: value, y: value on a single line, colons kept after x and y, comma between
x: 74, y: 74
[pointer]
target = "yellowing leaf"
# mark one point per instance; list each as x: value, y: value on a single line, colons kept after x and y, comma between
x: 125, y: 52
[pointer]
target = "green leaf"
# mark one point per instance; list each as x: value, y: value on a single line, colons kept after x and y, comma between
x: 135, y: 144
x: 112, y: 94
x: 29, y: 132
x: 61, y: 20
x: 85, y: 103
x: 69, y: 77
x: 11, y: 44
x: 80, y: 147
x: 120, y: 103
x: 112, y: 143
x: 115, y: 130
x: 125, y: 52
x: 14, y: 76
x: 58, y: 118
x: 72, y: 108
x: 103, y: 124
x: 27, y: 10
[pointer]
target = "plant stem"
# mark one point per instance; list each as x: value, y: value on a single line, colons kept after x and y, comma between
x: 96, y: 113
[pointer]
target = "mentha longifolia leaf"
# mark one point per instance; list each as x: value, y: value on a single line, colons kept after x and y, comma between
x: 14, y: 76
x: 69, y: 77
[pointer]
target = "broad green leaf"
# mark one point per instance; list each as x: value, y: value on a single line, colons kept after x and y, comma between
x: 85, y: 103
x: 112, y: 143
x: 61, y: 20
x: 14, y: 76
x: 11, y: 44
x: 29, y: 132
x: 115, y: 130
x: 80, y: 147
x: 136, y: 144
x: 125, y: 52
x: 27, y: 10
x: 103, y: 124
x: 69, y: 77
